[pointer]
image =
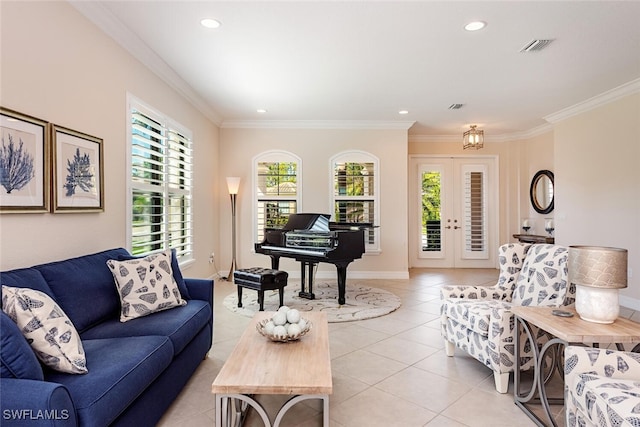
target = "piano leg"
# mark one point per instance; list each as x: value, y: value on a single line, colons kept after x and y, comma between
x: 303, y: 293
x: 342, y: 282
x: 275, y: 261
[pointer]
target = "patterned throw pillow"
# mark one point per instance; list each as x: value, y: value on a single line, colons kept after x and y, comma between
x: 47, y: 328
x: 146, y: 285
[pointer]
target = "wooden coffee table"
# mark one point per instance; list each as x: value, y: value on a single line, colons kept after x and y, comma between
x: 259, y: 366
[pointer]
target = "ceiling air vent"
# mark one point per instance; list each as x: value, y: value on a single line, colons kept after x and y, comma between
x: 536, y: 45
x: 455, y: 106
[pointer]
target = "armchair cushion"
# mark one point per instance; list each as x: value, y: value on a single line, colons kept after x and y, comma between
x: 602, y: 387
x: 543, y: 279
x: 510, y: 259
x: 475, y: 315
x: 473, y: 292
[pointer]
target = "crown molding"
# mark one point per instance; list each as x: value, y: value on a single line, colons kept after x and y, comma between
x: 597, y: 101
x: 316, y: 124
x: 538, y: 130
x: 505, y: 137
x: 99, y: 15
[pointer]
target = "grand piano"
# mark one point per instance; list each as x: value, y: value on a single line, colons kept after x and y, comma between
x: 311, y: 238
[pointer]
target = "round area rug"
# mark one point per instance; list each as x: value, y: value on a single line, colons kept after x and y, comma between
x: 362, y: 302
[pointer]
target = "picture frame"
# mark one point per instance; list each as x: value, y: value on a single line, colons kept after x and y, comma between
x: 78, y: 171
x: 24, y: 163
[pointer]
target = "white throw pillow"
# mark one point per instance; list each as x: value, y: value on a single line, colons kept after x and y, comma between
x: 146, y: 285
x: 47, y: 328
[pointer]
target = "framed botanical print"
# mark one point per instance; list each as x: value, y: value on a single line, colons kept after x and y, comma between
x: 24, y: 163
x: 78, y: 182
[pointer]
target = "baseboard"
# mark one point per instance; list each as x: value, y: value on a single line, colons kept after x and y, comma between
x: 632, y: 303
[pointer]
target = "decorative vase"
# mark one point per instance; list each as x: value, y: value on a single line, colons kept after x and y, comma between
x: 598, y: 305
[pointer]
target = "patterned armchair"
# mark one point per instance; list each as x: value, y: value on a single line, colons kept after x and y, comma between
x: 602, y: 387
x: 478, y: 319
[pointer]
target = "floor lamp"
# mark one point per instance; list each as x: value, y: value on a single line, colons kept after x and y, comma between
x: 233, y: 183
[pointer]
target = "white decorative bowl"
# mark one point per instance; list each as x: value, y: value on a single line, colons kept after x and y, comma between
x: 288, y: 338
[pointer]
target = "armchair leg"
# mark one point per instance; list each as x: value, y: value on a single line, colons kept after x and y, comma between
x: 502, y: 381
x: 449, y: 347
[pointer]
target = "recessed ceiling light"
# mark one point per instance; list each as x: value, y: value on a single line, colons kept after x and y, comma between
x: 261, y: 110
x: 403, y: 112
x: 210, y: 23
x: 475, y: 26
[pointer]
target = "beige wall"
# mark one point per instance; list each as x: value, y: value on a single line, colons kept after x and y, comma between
x: 60, y: 68
x: 316, y: 147
x: 597, y: 158
x: 536, y: 154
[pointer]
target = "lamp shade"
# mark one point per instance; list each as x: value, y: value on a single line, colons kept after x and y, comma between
x: 598, y: 266
x: 233, y: 183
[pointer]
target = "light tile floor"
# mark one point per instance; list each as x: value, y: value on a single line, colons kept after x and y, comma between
x: 388, y: 371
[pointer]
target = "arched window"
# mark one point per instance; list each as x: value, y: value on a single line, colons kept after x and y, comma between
x: 355, y: 192
x: 277, y: 189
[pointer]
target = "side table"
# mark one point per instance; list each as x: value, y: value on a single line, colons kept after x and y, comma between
x: 565, y: 331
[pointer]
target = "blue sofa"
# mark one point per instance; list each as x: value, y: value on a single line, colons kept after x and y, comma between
x: 136, y: 368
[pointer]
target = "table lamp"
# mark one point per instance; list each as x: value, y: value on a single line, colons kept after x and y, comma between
x: 598, y: 272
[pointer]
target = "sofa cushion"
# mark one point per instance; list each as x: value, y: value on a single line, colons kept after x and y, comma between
x: 119, y: 371
x: 146, y: 285
x: 180, y: 324
x: 26, y: 278
x: 46, y: 327
x: 175, y: 268
x: 84, y: 287
x: 17, y: 359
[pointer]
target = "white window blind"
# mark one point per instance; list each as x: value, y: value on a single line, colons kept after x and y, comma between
x: 355, y: 192
x: 474, y: 212
x: 161, y: 181
x: 277, y: 190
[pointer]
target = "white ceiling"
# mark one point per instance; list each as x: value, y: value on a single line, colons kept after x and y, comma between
x: 364, y: 61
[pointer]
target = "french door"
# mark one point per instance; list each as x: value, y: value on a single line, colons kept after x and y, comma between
x: 453, y: 212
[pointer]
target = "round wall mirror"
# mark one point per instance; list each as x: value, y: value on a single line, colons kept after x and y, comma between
x: 541, y: 191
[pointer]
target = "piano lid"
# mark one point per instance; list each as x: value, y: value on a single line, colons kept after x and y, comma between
x: 313, y: 222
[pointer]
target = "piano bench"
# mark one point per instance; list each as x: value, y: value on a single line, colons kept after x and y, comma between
x: 260, y: 279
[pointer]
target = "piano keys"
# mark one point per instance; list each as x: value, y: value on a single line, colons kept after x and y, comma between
x: 311, y: 238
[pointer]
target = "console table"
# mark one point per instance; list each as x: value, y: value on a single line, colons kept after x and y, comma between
x: 532, y: 238
x: 565, y: 331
